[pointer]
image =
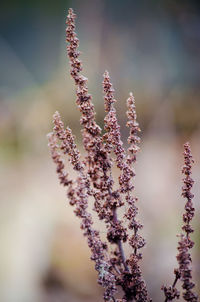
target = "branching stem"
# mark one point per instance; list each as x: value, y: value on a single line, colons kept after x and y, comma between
x: 119, y: 244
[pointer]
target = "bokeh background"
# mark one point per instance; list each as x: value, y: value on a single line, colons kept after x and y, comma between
x: 149, y: 47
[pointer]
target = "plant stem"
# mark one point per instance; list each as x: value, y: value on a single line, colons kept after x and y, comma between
x: 174, y: 284
x: 119, y: 243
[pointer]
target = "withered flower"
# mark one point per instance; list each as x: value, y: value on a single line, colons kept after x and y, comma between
x: 94, y: 182
x: 184, y: 271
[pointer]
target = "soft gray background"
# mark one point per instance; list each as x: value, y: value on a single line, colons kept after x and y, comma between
x: 149, y: 47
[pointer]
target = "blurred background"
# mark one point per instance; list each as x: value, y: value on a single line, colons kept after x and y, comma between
x: 150, y: 48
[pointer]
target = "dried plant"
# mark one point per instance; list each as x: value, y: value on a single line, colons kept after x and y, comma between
x: 95, y: 180
x: 184, y: 271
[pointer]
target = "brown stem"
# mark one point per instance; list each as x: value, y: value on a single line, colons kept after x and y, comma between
x: 174, y: 284
x: 119, y: 243
x: 135, y: 249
